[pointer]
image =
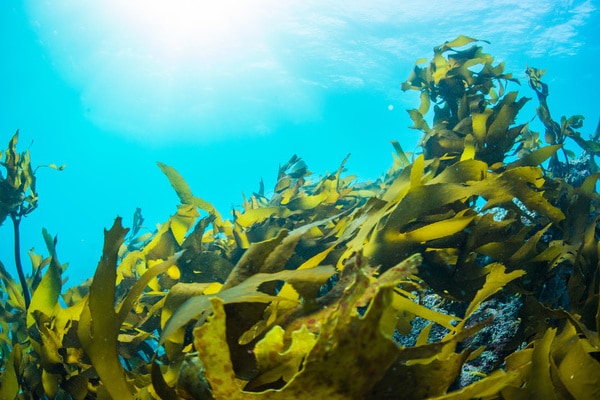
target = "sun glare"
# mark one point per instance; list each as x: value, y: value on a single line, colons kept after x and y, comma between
x: 184, y: 28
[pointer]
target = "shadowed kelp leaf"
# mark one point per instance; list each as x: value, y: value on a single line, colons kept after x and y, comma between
x: 325, y: 371
x: 426, y: 378
x: 270, y: 255
x: 313, y: 365
x: 179, y: 294
x: 171, y: 234
x: 245, y: 292
x: 351, y: 353
x: 253, y: 260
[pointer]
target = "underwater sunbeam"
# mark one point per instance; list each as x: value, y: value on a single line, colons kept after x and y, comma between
x: 170, y: 70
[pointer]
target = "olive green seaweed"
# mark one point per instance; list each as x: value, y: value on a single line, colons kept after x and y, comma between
x: 307, y: 292
x: 18, y: 197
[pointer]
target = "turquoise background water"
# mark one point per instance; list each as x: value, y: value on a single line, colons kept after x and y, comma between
x: 226, y: 91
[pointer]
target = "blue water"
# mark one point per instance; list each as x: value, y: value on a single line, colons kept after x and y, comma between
x: 225, y: 94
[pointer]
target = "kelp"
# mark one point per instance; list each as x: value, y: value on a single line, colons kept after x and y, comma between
x: 557, y: 133
x: 467, y: 105
x: 18, y: 198
x: 308, y: 292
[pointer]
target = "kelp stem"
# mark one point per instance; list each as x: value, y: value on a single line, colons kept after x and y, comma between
x: 26, y: 296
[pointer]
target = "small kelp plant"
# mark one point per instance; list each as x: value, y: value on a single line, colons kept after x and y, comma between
x: 18, y: 198
x: 324, y: 289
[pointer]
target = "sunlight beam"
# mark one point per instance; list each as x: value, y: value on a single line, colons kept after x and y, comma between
x: 180, y: 29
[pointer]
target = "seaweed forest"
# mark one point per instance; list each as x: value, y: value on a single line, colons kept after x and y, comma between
x: 469, y: 270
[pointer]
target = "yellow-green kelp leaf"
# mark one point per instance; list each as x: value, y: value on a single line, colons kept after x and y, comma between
x: 400, y: 155
x: 540, y: 379
x: 9, y: 383
x: 418, y: 121
x: 460, y: 41
x: 435, y: 230
x: 184, y: 192
x: 488, y: 387
x: 46, y: 295
x: 171, y: 234
x: 258, y: 215
x: 508, y: 109
x: 425, y: 103
x: 429, y: 367
x: 277, y: 359
x: 523, y: 183
x: 141, y: 283
x: 179, y: 184
x: 176, y: 296
x: 577, y: 364
x: 99, y: 327
x: 309, y: 202
x: 392, y: 277
x: 270, y: 255
x: 211, y: 343
x: 494, y: 282
x: 356, y: 288
x: 556, y: 367
x: 50, y: 342
x: 536, y: 157
x: 12, y: 290
x: 404, y: 304
x: 314, y: 311
x: 479, y: 124
x: 470, y: 150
